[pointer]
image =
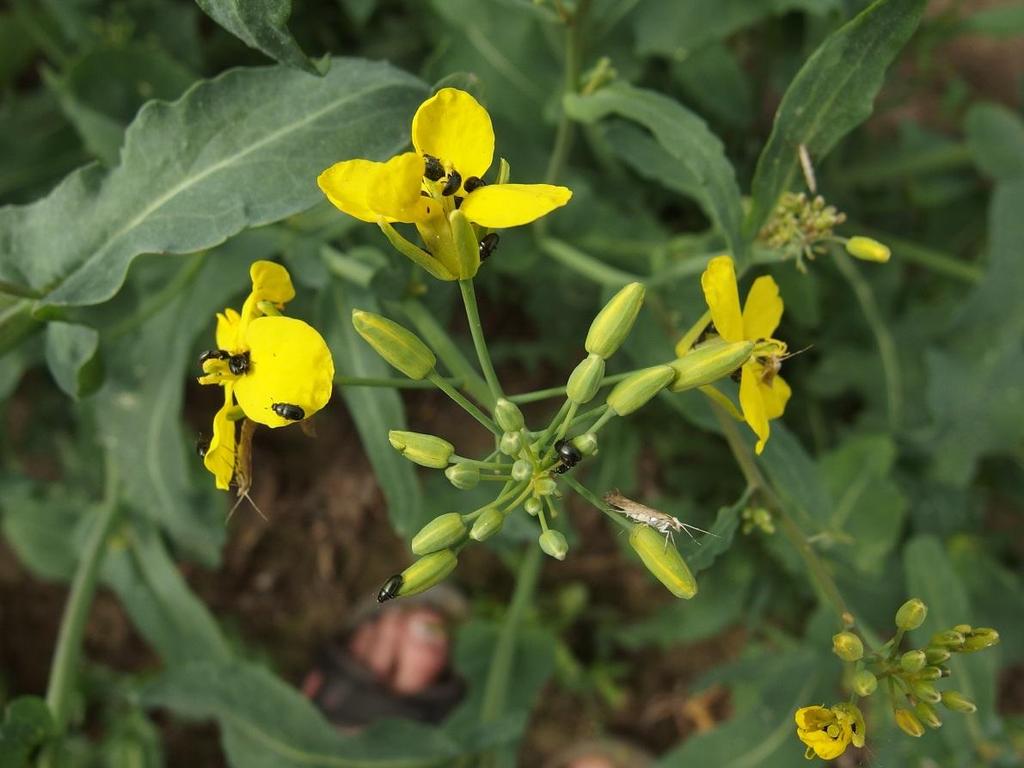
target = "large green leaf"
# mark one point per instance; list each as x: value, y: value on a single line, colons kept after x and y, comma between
x: 237, y: 151
x: 686, y: 138
x: 71, y: 356
x: 266, y: 724
x: 995, y: 136
x: 832, y: 93
x: 260, y: 24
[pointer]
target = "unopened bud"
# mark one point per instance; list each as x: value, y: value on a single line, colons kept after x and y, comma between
x: 508, y: 415
x: 488, y: 524
x: 586, y: 443
x: 867, y: 249
x: 420, y: 576
x: 511, y: 443
x: 908, y: 723
x: 585, y: 380
x: 422, y: 449
x: 467, y: 246
x: 465, y: 477
x: 930, y: 673
x: 937, y: 655
x: 950, y: 639
x: 544, y: 486
x: 443, y: 532
x: 963, y: 629
x: 957, y: 702
x: 614, y: 322
x: 912, y: 661
x: 911, y: 614
x: 927, y: 714
x: 533, y: 506
x: 864, y: 683
x: 708, y: 363
x: 925, y: 691
x: 663, y: 560
x: 847, y: 646
x: 553, y: 543
x: 398, y: 346
x: 521, y: 470
x: 634, y: 392
x: 980, y: 638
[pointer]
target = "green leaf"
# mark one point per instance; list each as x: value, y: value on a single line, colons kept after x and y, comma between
x: 261, y: 24
x: 795, y: 475
x: 375, y: 410
x: 238, y: 151
x: 832, y: 93
x: 685, y: 137
x: 995, y: 136
x: 27, y: 723
x: 267, y: 724
x: 46, y: 526
x: 71, y: 357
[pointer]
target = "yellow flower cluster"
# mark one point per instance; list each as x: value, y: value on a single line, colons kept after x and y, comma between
x: 828, y: 731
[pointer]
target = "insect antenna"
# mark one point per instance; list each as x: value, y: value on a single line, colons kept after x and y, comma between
x: 245, y: 495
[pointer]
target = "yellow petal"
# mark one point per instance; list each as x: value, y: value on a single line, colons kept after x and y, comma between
x: 271, y: 282
x: 227, y: 329
x: 370, y: 191
x: 289, y: 364
x: 509, y: 205
x: 775, y: 396
x: 813, y: 718
x: 453, y: 127
x: 752, y: 403
x: 220, y: 455
x: 346, y: 184
x: 824, y: 746
x: 723, y: 298
x: 762, y: 310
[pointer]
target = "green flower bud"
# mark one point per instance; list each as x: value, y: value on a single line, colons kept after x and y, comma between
x: 544, y: 486
x: 425, y: 450
x: 398, y: 346
x: 929, y: 673
x: 963, y: 629
x: 708, y: 363
x: 511, y: 443
x: 508, y: 415
x: 847, y: 646
x: 585, y: 380
x: 867, y: 249
x: 912, y: 661
x: 443, y: 532
x: 465, y: 477
x: 488, y: 524
x: 957, y: 702
x: 927, y: 714
x: 908, y: 723
x: 467, y: 246
x: 586, y: 443
x: 937, y: 655
x: 925, y: 691
x: 634, y: 392
x: 521, y: 470
x: 420, y: 576
x: 950, y: 639
x: 864, y: 683
x: 662, y: 560
x: 983, y: 637
x: 553, y: 543
x: 911, y: 614
x: 614, y: 322
x: 533, y: 506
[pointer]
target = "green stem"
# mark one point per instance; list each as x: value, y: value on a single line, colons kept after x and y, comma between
x: 480, y: 464
x: 929, y: 258
x: 479, y: 342
x: 586, y: 265
x: 605, y: 418
x: 571, y: 74
x: 395, y: 383
x: 931, y: 161
x: 550, y: 429
x: 457, y: 396
x: 544, y: 394
x: 587, y: 494
x: 69, y: 640
x: 886, y: 346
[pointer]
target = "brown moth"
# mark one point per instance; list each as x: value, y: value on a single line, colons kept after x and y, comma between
x: 662, y: 522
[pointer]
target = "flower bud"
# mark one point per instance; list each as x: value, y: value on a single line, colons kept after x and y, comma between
x: 544, y: 486
x: 398, y: 346
x: 585, y: 380
x: 467, y: 246
x: 908, y: 723
x: 911, y: 614
x: 508, y: 415
x: 925, y: 691
x: 465, y: 477
x: 634, y: 392
x: 425, y: 450
x: 927, y: 714
x: 929, y: 673
x: 420, y: 576
x: 511, y: 443
x: 963, y: 629
x: 865, y: 248
x: 936, y: 655
x: 586, y: 443
x: 847, y: 646
x: 614, y: 322
x: 488, y: 524
x: 521, y: 470
x: 912, y: 661
x: 957, y: 702
x: 553, y: 544
x: 983, y: 637
x: 443, y: 532
x: 663, y: 561
x: 533, y: 506
x: 708, y: 363
x: 950, y: 639
x: 864, y: 683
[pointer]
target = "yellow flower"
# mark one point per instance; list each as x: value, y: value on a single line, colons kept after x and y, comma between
x: 763, y: 393
x: 827, y: 732
x: 277, y: 369
x: 454, y: 146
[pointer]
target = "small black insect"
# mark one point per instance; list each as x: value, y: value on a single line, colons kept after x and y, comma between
x: 288, y: 411
x: 452, y: 185
x: 569, y: 454
x: 202, y: 445
x: 737, y: 374
x: 390, y: 589
x: 709, y: 330
x: 432, y: 168
x: 473, y: 182
x: 213, y: 354
x: 488, y: 245
x: 239, y: 364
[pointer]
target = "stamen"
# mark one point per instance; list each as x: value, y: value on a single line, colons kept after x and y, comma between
x: 452, y: 185
x: 432, y: 168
